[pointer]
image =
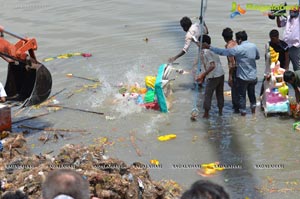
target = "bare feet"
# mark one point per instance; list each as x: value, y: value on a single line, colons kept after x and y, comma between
x: 193, y: 118
x: 206, y: 115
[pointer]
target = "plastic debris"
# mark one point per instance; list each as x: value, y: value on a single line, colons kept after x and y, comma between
x: 210, y: 169
x: 110, y: 117
x: 67, y: 56
x: 154, y: 162
x: 166, y: 137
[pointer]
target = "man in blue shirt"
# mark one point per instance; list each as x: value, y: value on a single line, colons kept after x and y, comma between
x: 246, y: 54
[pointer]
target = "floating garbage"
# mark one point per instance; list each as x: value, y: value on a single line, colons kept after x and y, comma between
x: 210, y: 169
x: 79, y: 77
x: 110, y: 117
x: 296, y: 126
x: 67, y: 56
x: 154, y: 162
x: 166, y: 137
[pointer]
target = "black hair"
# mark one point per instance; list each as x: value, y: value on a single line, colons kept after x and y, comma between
x: 288, y: 76
x: 227, y: 34
x: 185, y: 23
x: 274, y: 33
x: 241, y: 35
x: 205, y: 39
x: 203, y: 189
x: 66, y: 182
x: 14, y: 195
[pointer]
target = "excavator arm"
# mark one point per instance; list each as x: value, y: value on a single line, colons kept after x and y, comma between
x: 17, y: 51
x: 27, y: 80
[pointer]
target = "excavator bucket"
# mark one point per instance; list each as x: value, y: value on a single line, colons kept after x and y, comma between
x: 30, y: 86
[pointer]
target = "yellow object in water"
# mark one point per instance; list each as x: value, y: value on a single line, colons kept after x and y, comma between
x: 154, y: 162
x: 166, y: 137
x: 214, y: 165
x: 48, y: 59
x: 150, y: 81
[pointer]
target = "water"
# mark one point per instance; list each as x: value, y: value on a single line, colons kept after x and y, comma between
x: 115, y: 31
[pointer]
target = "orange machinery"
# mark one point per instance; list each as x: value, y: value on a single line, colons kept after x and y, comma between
x: 28, y: 80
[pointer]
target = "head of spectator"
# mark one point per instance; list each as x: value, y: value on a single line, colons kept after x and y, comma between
x: 65, y: 184
x: 241, y: 36
x: 274, y: 36
x: 206, y: 39
x: 203, y: 189
x: 227, y: 34
x: 14, y: 195
x: 186, y: 23
x: 294, y: 12
x: 289, y: 76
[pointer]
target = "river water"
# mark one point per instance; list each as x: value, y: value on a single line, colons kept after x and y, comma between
x: 115, y: 32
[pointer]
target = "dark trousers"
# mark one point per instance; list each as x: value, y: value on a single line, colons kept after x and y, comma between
x: 234, y: 92
x: 214, y: 84
x: 243, y: 88
x: 294, y: 54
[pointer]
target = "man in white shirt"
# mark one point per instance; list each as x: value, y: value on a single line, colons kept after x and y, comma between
x: 291, y: 36
x: 2, y: 93
x: 214, y: 75
x: 193, y: 31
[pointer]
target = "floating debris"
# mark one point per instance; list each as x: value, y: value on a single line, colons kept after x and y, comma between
x: 166, y: 137
x: 210, y: 169
x: 79, y: 77
x: 67, y: 56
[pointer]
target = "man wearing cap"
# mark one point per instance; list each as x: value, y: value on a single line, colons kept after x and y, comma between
x: 291, y: 35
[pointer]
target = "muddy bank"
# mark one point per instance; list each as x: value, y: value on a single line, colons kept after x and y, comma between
x: 108, y: 177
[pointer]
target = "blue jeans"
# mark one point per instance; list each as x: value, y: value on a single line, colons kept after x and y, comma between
x: 244, y: 87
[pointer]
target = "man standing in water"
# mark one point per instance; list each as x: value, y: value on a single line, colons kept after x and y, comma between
x: 246, y: 54
x: 230, y: 43
x: 214, y: 75
x: 193, y: 31
x: 291, y: 35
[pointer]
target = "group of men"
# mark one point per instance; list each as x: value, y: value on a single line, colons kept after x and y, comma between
x: 242, y: 56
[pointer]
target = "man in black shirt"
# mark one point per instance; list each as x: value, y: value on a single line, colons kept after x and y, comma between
x: 281, y: 47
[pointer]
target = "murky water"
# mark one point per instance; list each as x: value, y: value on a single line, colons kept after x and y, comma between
x: 114, y: 31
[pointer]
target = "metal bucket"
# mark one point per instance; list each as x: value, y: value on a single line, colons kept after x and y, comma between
x: 30, y: 86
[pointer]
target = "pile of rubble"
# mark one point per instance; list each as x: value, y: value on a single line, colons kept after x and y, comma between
x: 108, y: 177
